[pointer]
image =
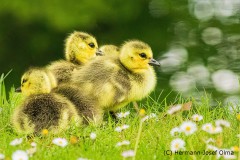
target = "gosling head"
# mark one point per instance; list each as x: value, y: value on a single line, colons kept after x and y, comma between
x: 109, y: 50
x: 137, y: 56
x: 80, y: 47
x: 34, y: 81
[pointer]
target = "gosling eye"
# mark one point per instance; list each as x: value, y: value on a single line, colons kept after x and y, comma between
x: 92, y: 45
x: 24, y: 81
x: 143, y: 55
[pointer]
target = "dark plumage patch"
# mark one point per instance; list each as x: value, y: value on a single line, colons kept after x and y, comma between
x: 83, y: 37
x: 83, y: 106
x: 43, y: 111
x: 139, y: 46
x: 62, y: 71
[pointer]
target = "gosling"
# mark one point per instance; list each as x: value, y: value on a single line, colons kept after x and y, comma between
x: 80, y: 47
x: 113, y: 82
x: 35, y: 81
x: 109, y: 50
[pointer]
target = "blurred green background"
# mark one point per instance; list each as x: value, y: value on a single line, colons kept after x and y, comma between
x: 193, y: 39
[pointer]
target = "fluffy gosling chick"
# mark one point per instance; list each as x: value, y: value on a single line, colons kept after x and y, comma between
x: 111, y: 83
x: 109, y: 50
x: 80, y: 48
x: 35, y: 81
x: 44, y: 111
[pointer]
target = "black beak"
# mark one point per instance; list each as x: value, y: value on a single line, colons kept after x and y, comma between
x: 99, y: 53
x: 153, y: 62
x: 18, y: 89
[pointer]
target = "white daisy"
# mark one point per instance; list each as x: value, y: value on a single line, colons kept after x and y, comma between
x: 210, y: 140
x: 125, y: 142
x: 33, y: 144
x: 93, y: 136
x: 197, y: 117
x: 62, y: 142
x: 121, y: 128
x: 175, y: 130
x: 16, y: 142
x: 222, y: 122
x: 177, y: 144
x: 211, y: 147
x: 19, y: 155
x: 207, y: 127
x: 129, y: 153
x: 215, y: 130
x: 145, y: 118
x: 123, y: 114
x: 174, y: 109
x: 151, y: 115
x: 2, y: 156
x: 31, y: 151
x: 188, y: 127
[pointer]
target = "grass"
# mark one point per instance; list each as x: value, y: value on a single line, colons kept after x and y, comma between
x: 149, y: 139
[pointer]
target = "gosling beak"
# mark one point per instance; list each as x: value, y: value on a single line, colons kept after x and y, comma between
x: 154, y: 62
x: 99, y: 53
x: 18, y: 89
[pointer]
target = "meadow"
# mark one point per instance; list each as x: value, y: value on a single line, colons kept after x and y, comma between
x: 187, y: 129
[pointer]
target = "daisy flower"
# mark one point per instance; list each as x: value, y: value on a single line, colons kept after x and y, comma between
x: 211, y: 147
x: 16, y: 142
x: 33, y: 144
x: 210, y: 140
x: 174, y: 109
x: 177, y: 144
x: 123, y: 114
x: 151, y: 115
x: 2, y: 156
x: 188, y: 127
x: 129, y: 153
x: 175, y: 130
x: 93, y: 136
x: 197, y: 117
x: 125, y: 142
x: 62, y: 142
x: 121, y: 128
x: 215, y: 130
x: 222, y: 122
x: 31, y: 151
x: 207, y: 127
x: 19, y: 155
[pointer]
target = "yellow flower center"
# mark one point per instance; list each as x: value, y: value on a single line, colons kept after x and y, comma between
x: 177, y: 146
x: 197, y: 118
x: 142, y: 112
x: 44, y: 132
x: 188, y: 128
